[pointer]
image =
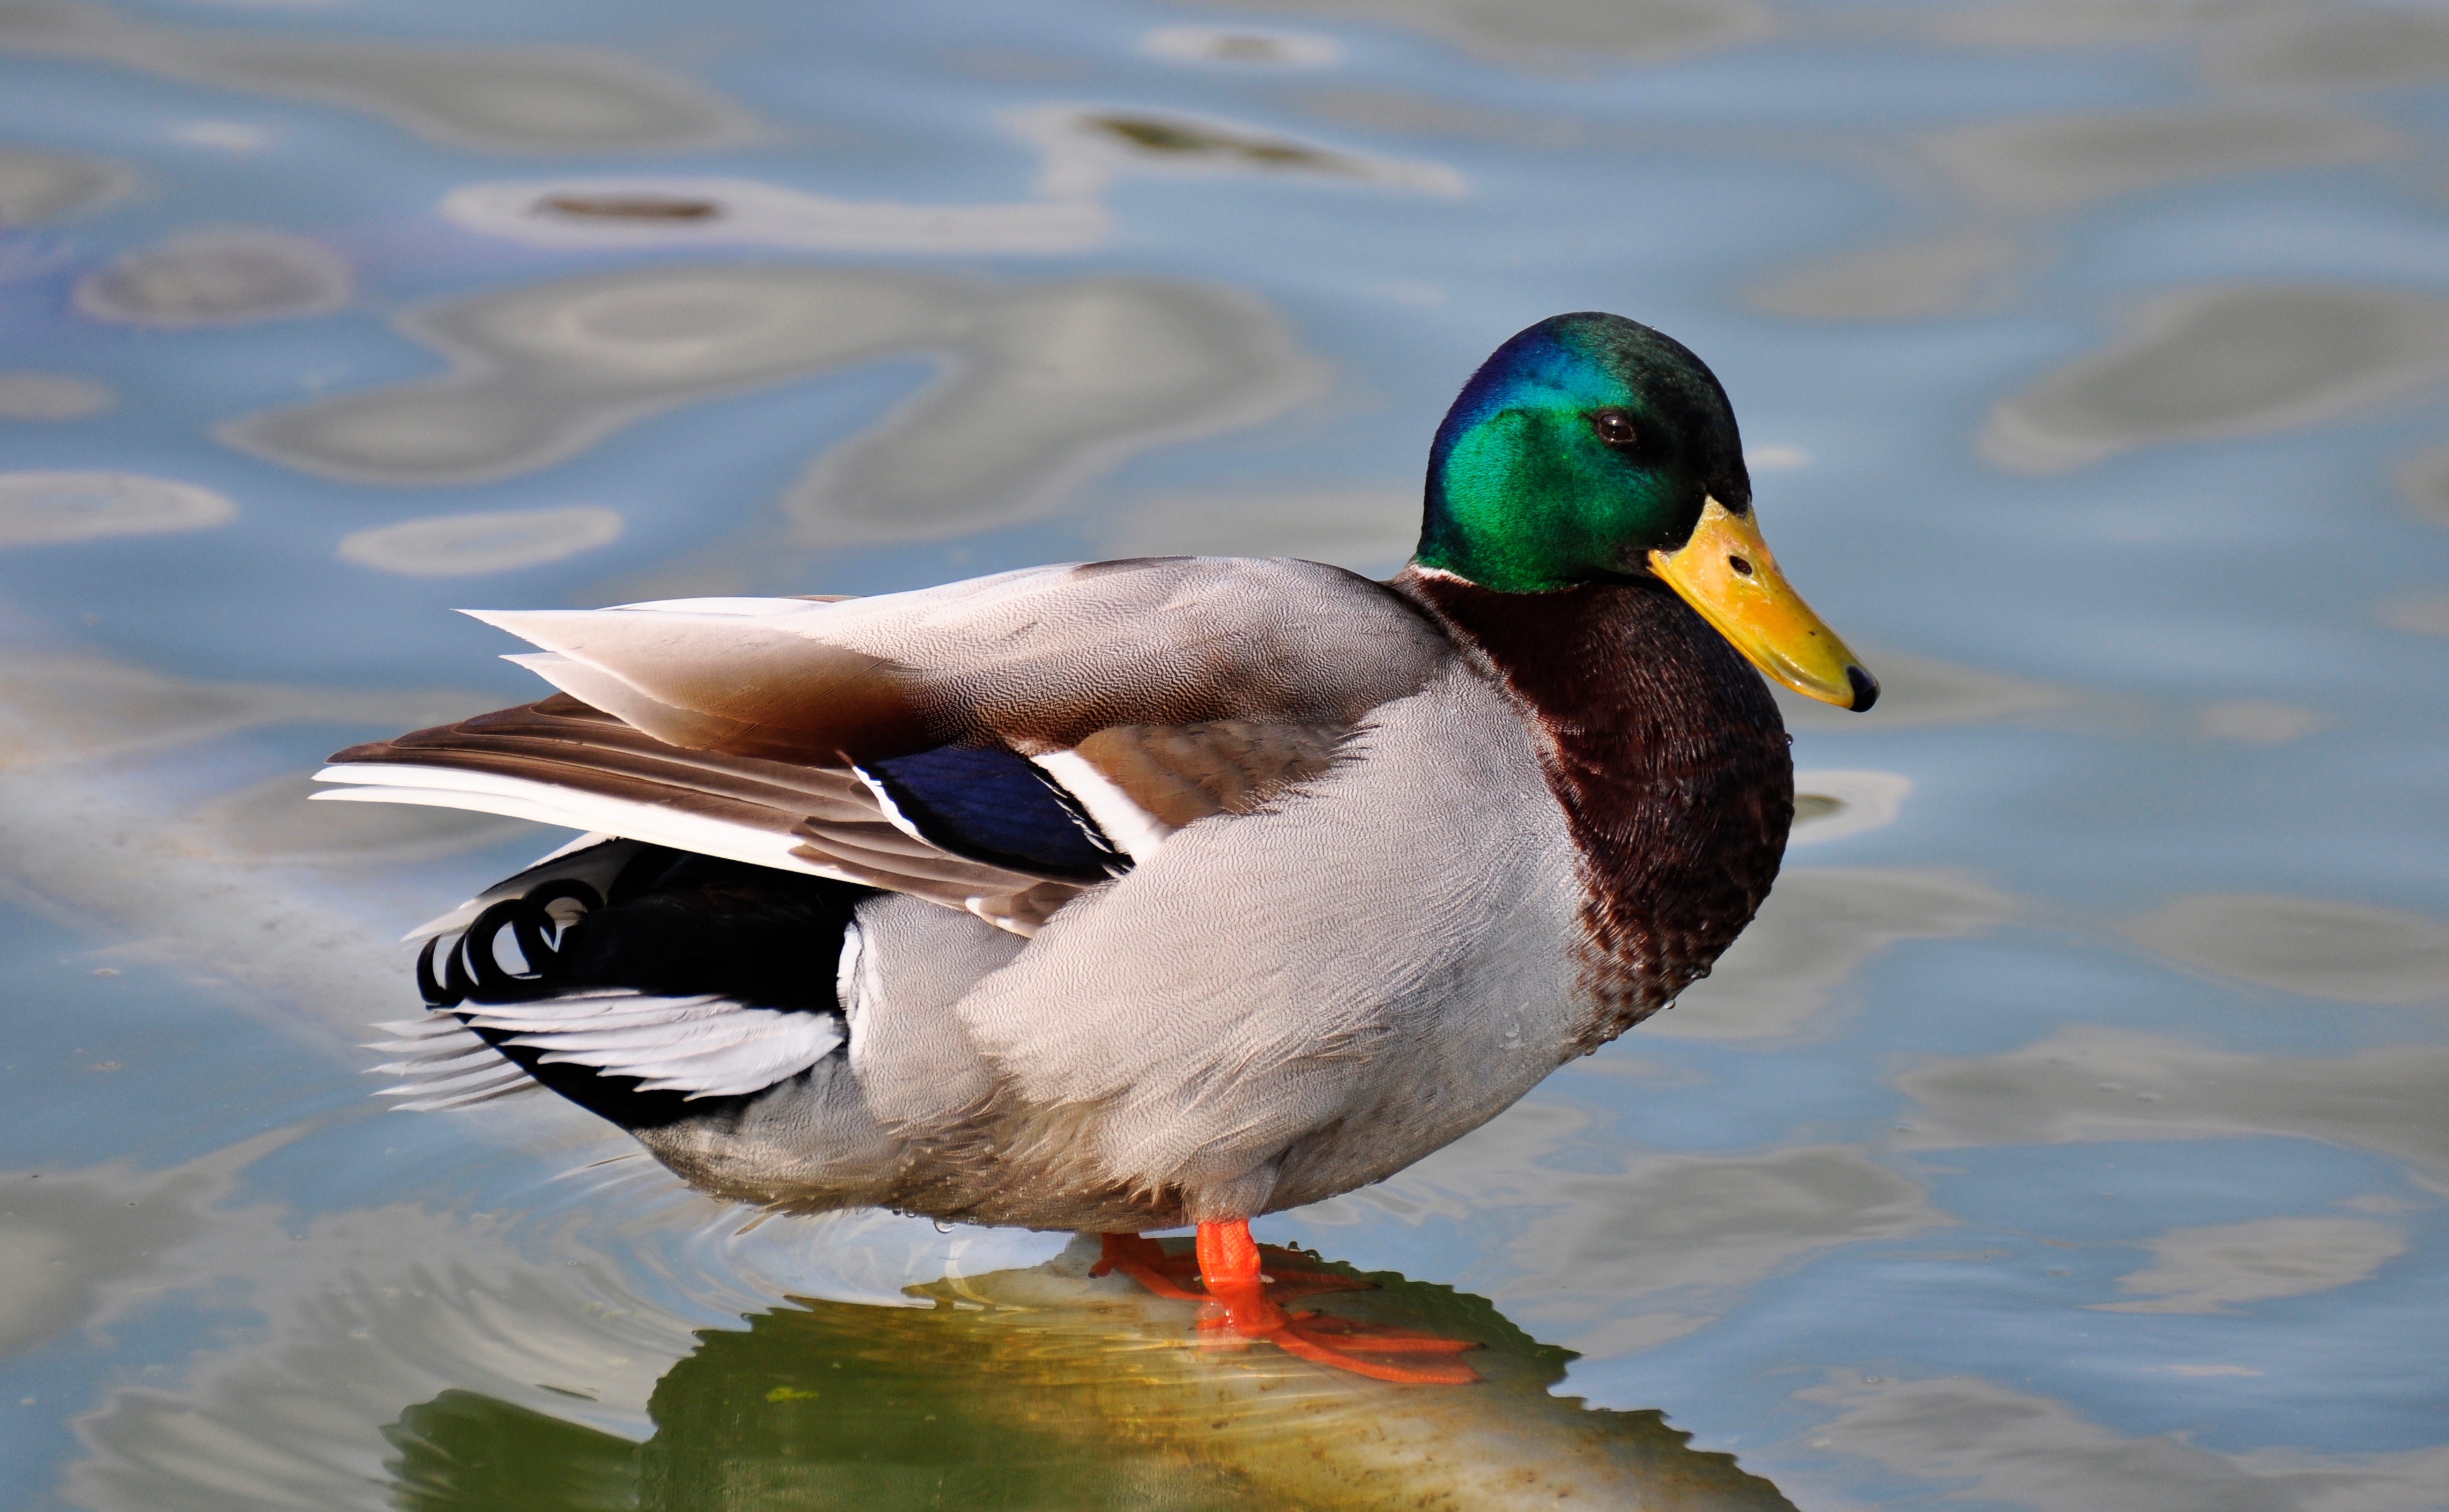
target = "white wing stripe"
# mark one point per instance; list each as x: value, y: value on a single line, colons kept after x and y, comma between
x: 522, y: 798
x: 1123, y: 821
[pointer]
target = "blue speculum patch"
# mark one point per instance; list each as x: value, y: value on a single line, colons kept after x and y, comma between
x: 992, y: 805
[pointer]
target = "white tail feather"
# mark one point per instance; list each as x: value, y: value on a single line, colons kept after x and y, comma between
x: 469, y: 1082
x: 523, y: 798
x: 700, y: 1046
x: 705, y: 1047
x: 483, y: 1054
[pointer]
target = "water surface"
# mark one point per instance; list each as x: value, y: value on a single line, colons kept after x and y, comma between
x: 2068, y: 1132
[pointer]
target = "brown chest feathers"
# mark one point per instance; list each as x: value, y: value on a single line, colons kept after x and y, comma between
x: 1669, y: 757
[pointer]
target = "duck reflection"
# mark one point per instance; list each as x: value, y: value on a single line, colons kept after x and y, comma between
x: 1052, y: 1387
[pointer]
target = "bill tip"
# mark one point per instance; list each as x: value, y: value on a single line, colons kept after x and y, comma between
x: 1867, y: 689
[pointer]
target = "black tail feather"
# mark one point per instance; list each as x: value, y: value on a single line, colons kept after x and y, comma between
x: 675, y: 925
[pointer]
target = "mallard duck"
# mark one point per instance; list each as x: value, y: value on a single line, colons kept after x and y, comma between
x: 1141, y: 894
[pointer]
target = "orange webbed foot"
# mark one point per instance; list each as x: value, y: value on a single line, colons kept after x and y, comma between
x: 1245, y: 1287
x: 1334, y: 1343
x: 1240, y: 1300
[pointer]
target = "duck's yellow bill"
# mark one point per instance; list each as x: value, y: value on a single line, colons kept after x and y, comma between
x: 1724, y: 571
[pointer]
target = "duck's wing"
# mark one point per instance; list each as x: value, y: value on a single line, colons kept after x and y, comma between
x: 562, y: 761
x: 996, y: 745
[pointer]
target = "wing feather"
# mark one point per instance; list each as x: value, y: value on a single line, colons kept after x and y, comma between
x: 559, y: 761
x: 730, y: 726
x: 1039, y: 659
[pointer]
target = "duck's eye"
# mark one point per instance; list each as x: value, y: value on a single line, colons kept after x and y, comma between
x: 1614, y: 426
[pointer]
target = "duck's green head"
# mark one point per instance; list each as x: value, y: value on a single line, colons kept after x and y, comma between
x: 1592, y: 447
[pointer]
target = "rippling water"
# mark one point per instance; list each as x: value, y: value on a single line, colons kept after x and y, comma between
x: 2068, y: 1134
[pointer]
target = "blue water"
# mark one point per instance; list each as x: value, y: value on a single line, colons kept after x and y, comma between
x: 2191, y: 667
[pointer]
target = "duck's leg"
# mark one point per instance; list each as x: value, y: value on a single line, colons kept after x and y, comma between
x: 1288, y: 1276
x: 1228, y: 1266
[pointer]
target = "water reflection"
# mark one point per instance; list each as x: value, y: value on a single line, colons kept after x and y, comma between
x: 1999, y: 1444
x: 2209, y: 1270
x: 2347, y: 49
x: 1831, y: 804
x: 70, y: 1241
x: 1083, y: 152
x: 2425, y: 617
x: 2056, y: 164
x: 1917, y: 690
x: 1904, y: 280
x: 218, y: 278
x: 2158, y: 918
x: 1555, y: 32
x: 39, y: 185
x: 2310, y: 946
x: 1241, y: 46
x: 2089, y: 1084
x: 1085, y: 148
x: 2427, y: 483
x: 1044, y: 1388
x: 99, y: 821
x: 489, y: 541
x: 1367, y: 529
x: 2089, y: 23
x: 2259, y: 721
x: 38, y: 508
x: 51, y: 396
x: 1815, y: 932
x: 538, y: 98
x: 1049, y: 382
x: 662, y: 211
x: 1676, y: 1234
x: 272, y: 821
x: 2226, y: 363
